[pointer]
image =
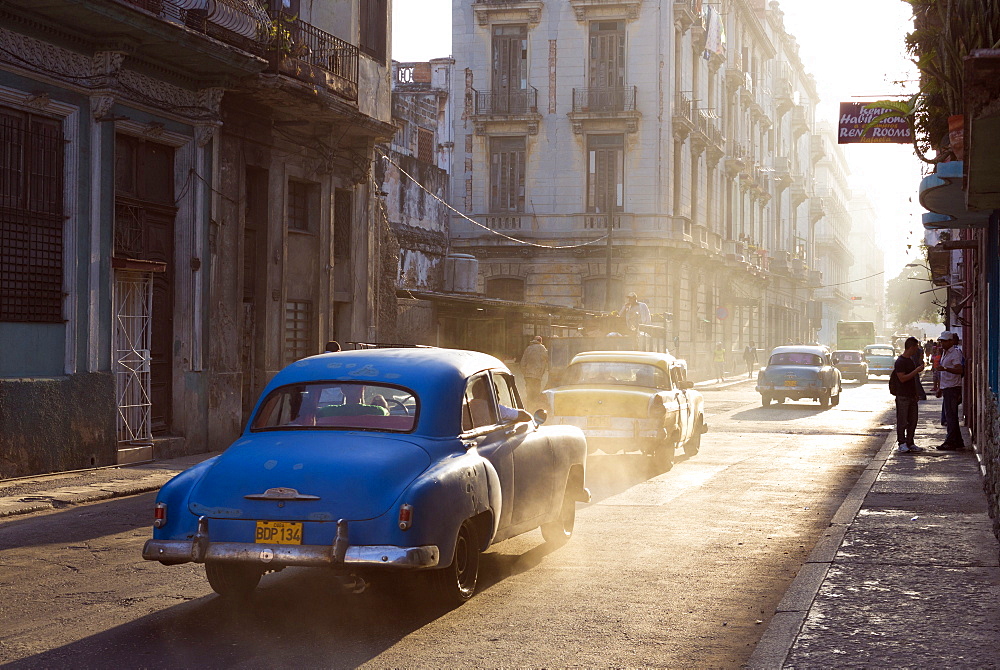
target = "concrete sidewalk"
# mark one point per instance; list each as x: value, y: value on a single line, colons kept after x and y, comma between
x: 907, y: 575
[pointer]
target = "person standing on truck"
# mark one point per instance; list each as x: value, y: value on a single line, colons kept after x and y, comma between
x: 534, y: 365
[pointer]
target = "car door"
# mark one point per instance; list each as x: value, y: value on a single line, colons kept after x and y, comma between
x: 534, y: 463
x: 481, y: 428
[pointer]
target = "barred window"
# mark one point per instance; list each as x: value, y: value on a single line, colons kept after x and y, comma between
x: 31, y: 217
x: 425, y: 146
x: 507, y: 174
x: 298, y: 330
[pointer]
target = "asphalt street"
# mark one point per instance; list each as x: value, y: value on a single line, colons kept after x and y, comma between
x: 679, y: 569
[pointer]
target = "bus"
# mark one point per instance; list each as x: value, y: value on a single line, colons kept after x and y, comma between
x: 855, y: 335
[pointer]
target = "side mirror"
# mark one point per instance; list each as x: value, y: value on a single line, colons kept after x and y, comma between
x: 685, y: 385
x: 540, y: 416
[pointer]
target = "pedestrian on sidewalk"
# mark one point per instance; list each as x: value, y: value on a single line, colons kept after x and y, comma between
x: 719, y: 359
x: 952, y: 368
x: 534, y: 365
x: 903, y: 385
x: 750, y: 358
x: 918, y: 360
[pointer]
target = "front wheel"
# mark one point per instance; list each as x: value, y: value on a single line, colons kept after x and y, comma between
x: 455, y: 584
x: 233, y: 580
x: 560, y: 530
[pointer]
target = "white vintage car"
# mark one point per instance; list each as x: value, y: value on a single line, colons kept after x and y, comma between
x: 630, y: 401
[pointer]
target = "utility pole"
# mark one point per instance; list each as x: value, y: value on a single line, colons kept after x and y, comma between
x: 607, y: 264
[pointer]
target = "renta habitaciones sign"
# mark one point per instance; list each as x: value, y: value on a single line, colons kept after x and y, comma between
x: 854, y: 119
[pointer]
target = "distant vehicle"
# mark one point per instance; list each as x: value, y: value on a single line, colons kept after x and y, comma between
x: 375, y: 461
x: 798, y: 371
x: 854, y: 335
x: 630, y: 401
x: 852, y: 365
x: 881, y: 358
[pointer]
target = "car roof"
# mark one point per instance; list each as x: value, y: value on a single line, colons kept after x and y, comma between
x: 649, y: 357
x: 437, y: 377
x: 879, y: 346
x: 800, y: 348
x: 847, y: 351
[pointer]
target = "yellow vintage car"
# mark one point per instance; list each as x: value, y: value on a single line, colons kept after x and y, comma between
x: 630, y: 401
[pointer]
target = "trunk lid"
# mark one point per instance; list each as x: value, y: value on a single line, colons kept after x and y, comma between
x: 620, y: 401
x: 308, y: 476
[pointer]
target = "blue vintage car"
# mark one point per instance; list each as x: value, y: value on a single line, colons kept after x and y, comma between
x: 881, y: 358
x: 798, y: 371
x: 364, y: 462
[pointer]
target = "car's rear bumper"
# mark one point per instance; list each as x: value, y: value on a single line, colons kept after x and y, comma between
x: 185, y: 551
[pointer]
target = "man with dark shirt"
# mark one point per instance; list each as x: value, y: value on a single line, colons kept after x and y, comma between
x: 904, y: 385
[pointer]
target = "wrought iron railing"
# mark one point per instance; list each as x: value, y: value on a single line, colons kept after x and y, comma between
x: 507, y: 101
x: 315, y: 46
x: 604, y: 99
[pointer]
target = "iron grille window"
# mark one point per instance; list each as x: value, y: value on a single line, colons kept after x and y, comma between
x: 298, y: 330
x: 31, y: 217
x: 303, y: 206
x: 505, y: 288
x: 425, y: 146
x: 373, y: 28
x: 507, y: 174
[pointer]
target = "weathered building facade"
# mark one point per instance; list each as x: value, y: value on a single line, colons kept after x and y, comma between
x: 138, y: 307
x: 662, y: 148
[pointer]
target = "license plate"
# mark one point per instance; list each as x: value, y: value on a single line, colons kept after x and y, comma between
x: 791, y: 383
x: 599, y: 422
x: 279, y: 532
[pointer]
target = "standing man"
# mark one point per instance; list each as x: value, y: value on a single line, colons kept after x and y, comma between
x: 903, y: 385
x: 750, y: 358
x: 719, y: 358
x: 952, y: 367
x: 635, y: 313
x: 534, y: 365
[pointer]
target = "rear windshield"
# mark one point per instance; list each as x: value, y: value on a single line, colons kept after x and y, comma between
x: 847, y: 357
x: 616, y: 372
x: 338, y: 405
x: 880, y: 351
x: 795, y: 358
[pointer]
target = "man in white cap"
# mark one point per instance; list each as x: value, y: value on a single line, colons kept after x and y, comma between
x: 952, y: 368
x: 534, y: 365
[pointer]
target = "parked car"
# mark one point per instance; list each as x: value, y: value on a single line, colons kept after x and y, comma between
x: 366, y: 462
x: 630, y: 401
x: 799, y: 371
x: 881, y: 358
x: 852, y: 365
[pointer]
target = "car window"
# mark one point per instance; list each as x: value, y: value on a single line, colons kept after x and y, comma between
x: 506, y: 391
x: 617, y: 372
x: 848, y: 357
x: 335, y: 404
x: 478, y: 405
x: 880, y: 351
x: 795, y: 358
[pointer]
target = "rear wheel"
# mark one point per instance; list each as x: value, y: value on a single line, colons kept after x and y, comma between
x: 824, y: 400
x: 233, y: 580
x: 663, y: 454
x: 560, y: 530
x: 455, y: 584
x: 765, y: 399
x: 864, y: 380
x: 836, y: 398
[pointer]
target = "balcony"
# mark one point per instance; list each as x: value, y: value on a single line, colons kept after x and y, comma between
x: 784, y: 95
x: 605, y: 108
x: 707, y: 135
x: 506, y: 221
x: 508, y: 11
x: 817, y: 149
x: 801, y: 123
x: 735, y: 76
x: 223, y: 40
x: 606, y: 10
x: 738, y: 161
x: 782, y: 170
x: 800, y: 191
x: 817, y: 208
x: 305, y: 52
x: 514, y: 110
x: 686, y: 13
x: 683, y: 116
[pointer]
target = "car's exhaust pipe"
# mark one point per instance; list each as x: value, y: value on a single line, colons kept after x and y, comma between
x: 352, y: 583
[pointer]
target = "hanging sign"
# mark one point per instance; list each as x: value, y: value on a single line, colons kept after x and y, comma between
x: 854, y: 118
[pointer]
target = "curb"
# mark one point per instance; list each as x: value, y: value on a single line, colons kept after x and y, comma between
x: 783, y: 629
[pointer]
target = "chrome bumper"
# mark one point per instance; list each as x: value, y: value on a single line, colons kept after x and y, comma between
x: 186, y: 551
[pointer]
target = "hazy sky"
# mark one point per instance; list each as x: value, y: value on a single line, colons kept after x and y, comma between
x: 852, y: 47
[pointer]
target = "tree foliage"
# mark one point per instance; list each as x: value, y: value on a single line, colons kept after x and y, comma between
x: 904, y: 301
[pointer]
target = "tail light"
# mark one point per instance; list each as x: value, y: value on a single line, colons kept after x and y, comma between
x: 160, y: 515
x: 405, y: 516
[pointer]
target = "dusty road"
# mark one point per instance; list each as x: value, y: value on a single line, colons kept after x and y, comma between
x: 678, y: 570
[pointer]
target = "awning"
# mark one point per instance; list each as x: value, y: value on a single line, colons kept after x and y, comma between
x: 472, y: 300
x: 942, y: 194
